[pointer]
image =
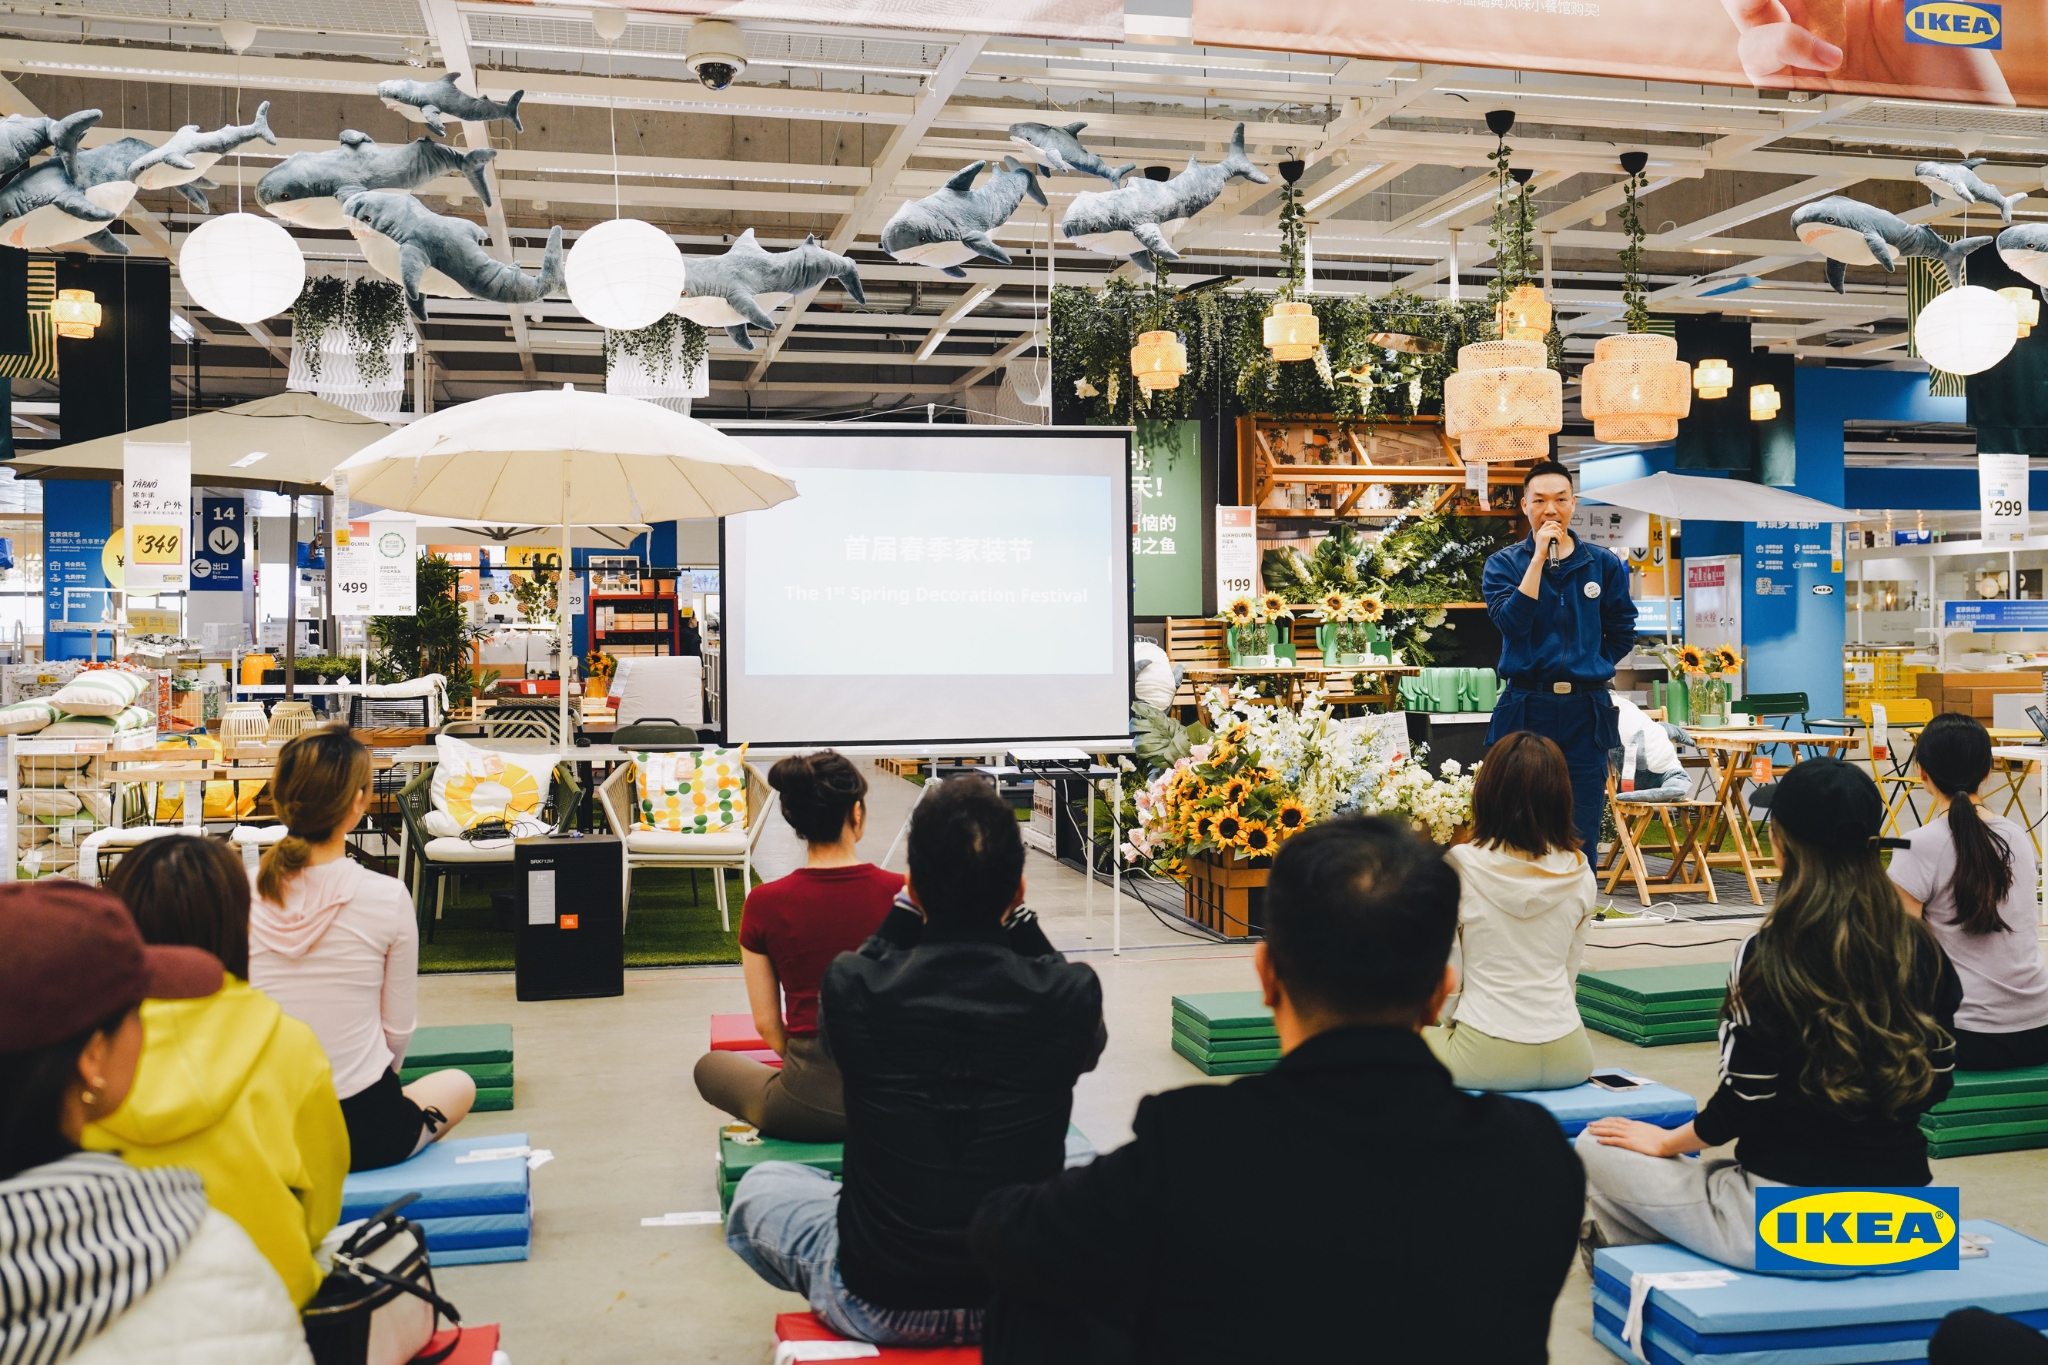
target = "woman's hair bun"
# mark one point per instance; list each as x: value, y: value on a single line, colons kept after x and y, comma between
x: 819, y: 792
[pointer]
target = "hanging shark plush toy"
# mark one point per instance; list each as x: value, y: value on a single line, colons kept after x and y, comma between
x: 946, y: 229
x: 2025, y: 249
x: 1139, y: 220
x: 190, y: 154
x: 1851, y: 233
x: 1060, y: 149
x: 1961, y: 184
x: 21, y: 138
x: 434, y: 102
x: 749, y: 282
x: 430, y: 253
x: 309, y: 188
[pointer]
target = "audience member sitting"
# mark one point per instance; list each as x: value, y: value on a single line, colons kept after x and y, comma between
x: 960, y: 1034
x: 1522, y: 917
x: 1366, y: 1208
x: 790, y: 931
x: 335, y: 944
x: 1657, y: 775
x: 1969, y: 874
x: 1975, y: 1336
x: 1834, y: 1040
x: 102, y: 1263
x: 229, y: 1086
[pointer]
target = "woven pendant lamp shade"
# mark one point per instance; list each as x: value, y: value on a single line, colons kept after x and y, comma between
x: 1524, y: 315
x: 1292, y: 332
x: 2025, y: 307
x: 1636, y: 389
x: 1504, y: 402
x: 1159, y: 360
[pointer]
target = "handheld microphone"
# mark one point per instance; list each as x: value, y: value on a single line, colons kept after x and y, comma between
x: 1552, y: 552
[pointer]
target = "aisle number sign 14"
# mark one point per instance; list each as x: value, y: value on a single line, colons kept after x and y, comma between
x: 1237, y: 553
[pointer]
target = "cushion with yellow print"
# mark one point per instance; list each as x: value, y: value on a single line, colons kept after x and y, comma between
x: 472, y: 783
x: 691, y: 792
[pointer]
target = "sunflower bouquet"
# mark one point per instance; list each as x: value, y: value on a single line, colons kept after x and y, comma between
x: 1701, y: 661
x: 1253, y: 617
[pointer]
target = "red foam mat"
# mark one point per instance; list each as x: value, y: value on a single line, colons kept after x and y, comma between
x: 735, y: 1033
x: 806, y: 1327
x: 479, y: 1341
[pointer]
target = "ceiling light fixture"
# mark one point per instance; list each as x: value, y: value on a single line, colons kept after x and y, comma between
x: 1713, y: 378
x: 76, y: 314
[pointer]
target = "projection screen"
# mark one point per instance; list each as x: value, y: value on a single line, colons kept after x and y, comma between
x: 931, y: 585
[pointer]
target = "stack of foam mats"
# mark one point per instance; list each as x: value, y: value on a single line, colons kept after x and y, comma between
x: 1226, y: 1033
x: 801, y: 1336
x: 1990, y: 1111
x: 474, y: 1210
x: 482, y: 1050
x: 736, y: 1033
x: 1654, y: 1006
x: 1649, y: 1102
x: 741, y: 1147
x: 1738, y: 1316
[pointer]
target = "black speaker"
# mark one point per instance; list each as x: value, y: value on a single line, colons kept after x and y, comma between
x: 572, y: 921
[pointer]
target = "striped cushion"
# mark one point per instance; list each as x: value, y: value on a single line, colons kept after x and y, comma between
x: 100, y: 692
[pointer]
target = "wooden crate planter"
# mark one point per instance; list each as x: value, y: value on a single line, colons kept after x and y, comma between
x: 1228, y: 897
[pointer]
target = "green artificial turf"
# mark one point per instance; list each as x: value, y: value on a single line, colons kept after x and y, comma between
x: 663, y: 929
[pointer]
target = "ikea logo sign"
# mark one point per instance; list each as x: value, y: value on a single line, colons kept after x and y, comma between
x: 1953, y: 23
x: 1863, y: 1229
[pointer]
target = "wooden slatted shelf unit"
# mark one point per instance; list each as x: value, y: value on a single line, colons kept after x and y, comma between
x: 1411, y: 450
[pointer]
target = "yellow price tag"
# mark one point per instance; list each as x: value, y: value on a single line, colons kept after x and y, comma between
x: 156, y: 544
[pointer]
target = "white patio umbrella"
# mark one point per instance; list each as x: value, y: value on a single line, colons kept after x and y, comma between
x: 456, y: 531
x: 565, y: 458
x: 1685, y: 496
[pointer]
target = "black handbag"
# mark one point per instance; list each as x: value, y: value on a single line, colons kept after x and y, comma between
x: 650, y: 733
x: 378, y: 1306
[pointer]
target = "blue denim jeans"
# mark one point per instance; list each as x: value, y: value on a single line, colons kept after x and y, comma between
x: 784, y: 1223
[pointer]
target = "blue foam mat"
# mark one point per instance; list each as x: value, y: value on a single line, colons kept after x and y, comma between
x: 1610, y: 1337
x: 484, y: 1230
x: 447, y: 1189
x: 481, y: 1255
x: 2012, y: 1280
x: 1610, y: 1312
x: 1575, y: 1108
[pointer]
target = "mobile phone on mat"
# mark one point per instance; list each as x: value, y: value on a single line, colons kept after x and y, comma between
x: 1615, y: 1080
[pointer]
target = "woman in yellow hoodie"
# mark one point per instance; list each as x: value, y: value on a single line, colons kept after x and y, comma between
x: 229, y: 1085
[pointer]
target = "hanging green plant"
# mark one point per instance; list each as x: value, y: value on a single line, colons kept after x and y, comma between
x: 670, y: 345
x: 369, y: 314
x: 1633, y: 295
x: 1293, y: 239
x: 318, y: 309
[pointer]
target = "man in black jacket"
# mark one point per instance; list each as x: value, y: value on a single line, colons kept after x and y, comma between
x: 1350, y: 1204
x: 959, y: 1033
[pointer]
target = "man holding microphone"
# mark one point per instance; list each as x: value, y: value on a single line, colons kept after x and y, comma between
x: 1565, y: 620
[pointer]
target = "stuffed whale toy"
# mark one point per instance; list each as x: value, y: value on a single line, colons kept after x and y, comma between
x: 946, y: 229
x: 2025, y: 249
x: 309, y: 188
x: 749, y: 282
x: 1961, y: 184
x: 1059, y: 149
x: 1139, y: 220
x: 430, y: 253
x: 46, y: 206
x: 1849, y: 232
x: 434, y: 102
x: 190, y: 154
x: 22, y: 138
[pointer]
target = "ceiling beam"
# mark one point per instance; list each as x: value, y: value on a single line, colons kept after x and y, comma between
x: 895, y: 154
x: 997, y: 361
x: 970, y: 299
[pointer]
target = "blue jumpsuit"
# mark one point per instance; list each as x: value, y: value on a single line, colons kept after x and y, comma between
x: 1582, y: 624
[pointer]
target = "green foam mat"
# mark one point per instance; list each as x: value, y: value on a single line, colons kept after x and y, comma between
x: 1939, y: 1120
x: 1229, y: 1068
x: 1269, y: 1043
x: 1645, y: 1019
x: 1991, y: 1104
x: 1650, y: 986
x: 1972, y: 1085
x: 1707, y: 1028
x: 1194, y: 1028
x: 1225, y: 1010
x: 2016, y: 1142
x: 1695, y: 1007
x: 495, y: 1075
x: 735, y: 1159
x: 492, y: 1101
x: 1977, y: 1131
x: 459, y: 1045
x: 1628, y: 1033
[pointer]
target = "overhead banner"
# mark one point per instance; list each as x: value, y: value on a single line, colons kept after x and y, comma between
x: 217, y: 555
x: 1909, y: 49
x: 1166, y: 519
x: 2002, y: 498
x: 374, y: 573
x: 158, y: 483
x: 1097, y: 21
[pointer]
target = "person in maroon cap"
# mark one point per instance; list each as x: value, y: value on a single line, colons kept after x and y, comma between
x: 104, y: 1264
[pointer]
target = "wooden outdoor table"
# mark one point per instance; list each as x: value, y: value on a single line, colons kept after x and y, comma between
x: 1728, y: 754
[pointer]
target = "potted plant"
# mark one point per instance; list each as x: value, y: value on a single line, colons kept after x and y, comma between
x: 1249, y: 630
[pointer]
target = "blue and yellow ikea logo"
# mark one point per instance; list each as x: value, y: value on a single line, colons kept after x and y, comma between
x: 1878, y: 1230
x: 1955, y: 23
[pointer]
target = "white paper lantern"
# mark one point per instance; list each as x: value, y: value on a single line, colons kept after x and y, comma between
x: 246, y: 268
x: 626, y: 274
x: 1966, y: 330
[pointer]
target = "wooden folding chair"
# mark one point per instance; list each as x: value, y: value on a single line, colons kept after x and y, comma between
x: 1682, y: 823
x: 1895, y: 779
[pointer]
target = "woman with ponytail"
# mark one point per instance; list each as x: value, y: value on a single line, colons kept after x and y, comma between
x: 334, y: 944
x: 790, y: 931
x: 1970, y: 874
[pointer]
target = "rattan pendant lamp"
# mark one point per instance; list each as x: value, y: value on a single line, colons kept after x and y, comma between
x: 1637, y: 388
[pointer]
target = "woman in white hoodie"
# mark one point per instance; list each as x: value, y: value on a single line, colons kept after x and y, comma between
x: 1528, y: 896
x: 335, y: 945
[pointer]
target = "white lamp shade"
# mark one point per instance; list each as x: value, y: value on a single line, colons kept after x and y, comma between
x: 245, y: 267
x: 1966, y: 330
x: 626, y: 274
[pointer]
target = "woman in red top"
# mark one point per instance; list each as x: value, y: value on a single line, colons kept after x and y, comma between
x: 790, y: 931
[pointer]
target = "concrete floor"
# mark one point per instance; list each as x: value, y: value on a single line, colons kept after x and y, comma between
x: 605, y: 1084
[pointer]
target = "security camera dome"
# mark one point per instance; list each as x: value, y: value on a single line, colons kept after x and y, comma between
x: 717, y: 53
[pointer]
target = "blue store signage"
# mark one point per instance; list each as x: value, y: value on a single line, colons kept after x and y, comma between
x: 1996, y: 616
x: 218, y: 549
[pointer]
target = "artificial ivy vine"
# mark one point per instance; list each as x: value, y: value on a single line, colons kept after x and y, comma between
x: 1293, y: 239
x: 669, y: 345
x: 1633, y: 295
x: 1508, y: 235
x: 371, y: 314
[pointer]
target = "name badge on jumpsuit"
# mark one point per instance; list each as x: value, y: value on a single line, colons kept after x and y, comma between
x: 1592, y: 589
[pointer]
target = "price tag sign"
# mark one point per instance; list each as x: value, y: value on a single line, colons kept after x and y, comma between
x: 1760, y: 768
x: 156, y: 545
x: 157, y: 494
x: 2002, y: 497
x: 1237, y: 553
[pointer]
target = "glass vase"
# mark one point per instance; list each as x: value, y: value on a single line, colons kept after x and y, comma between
x: 1255, y: 641
x: 1354, y: 641
x: 1706, y: 700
